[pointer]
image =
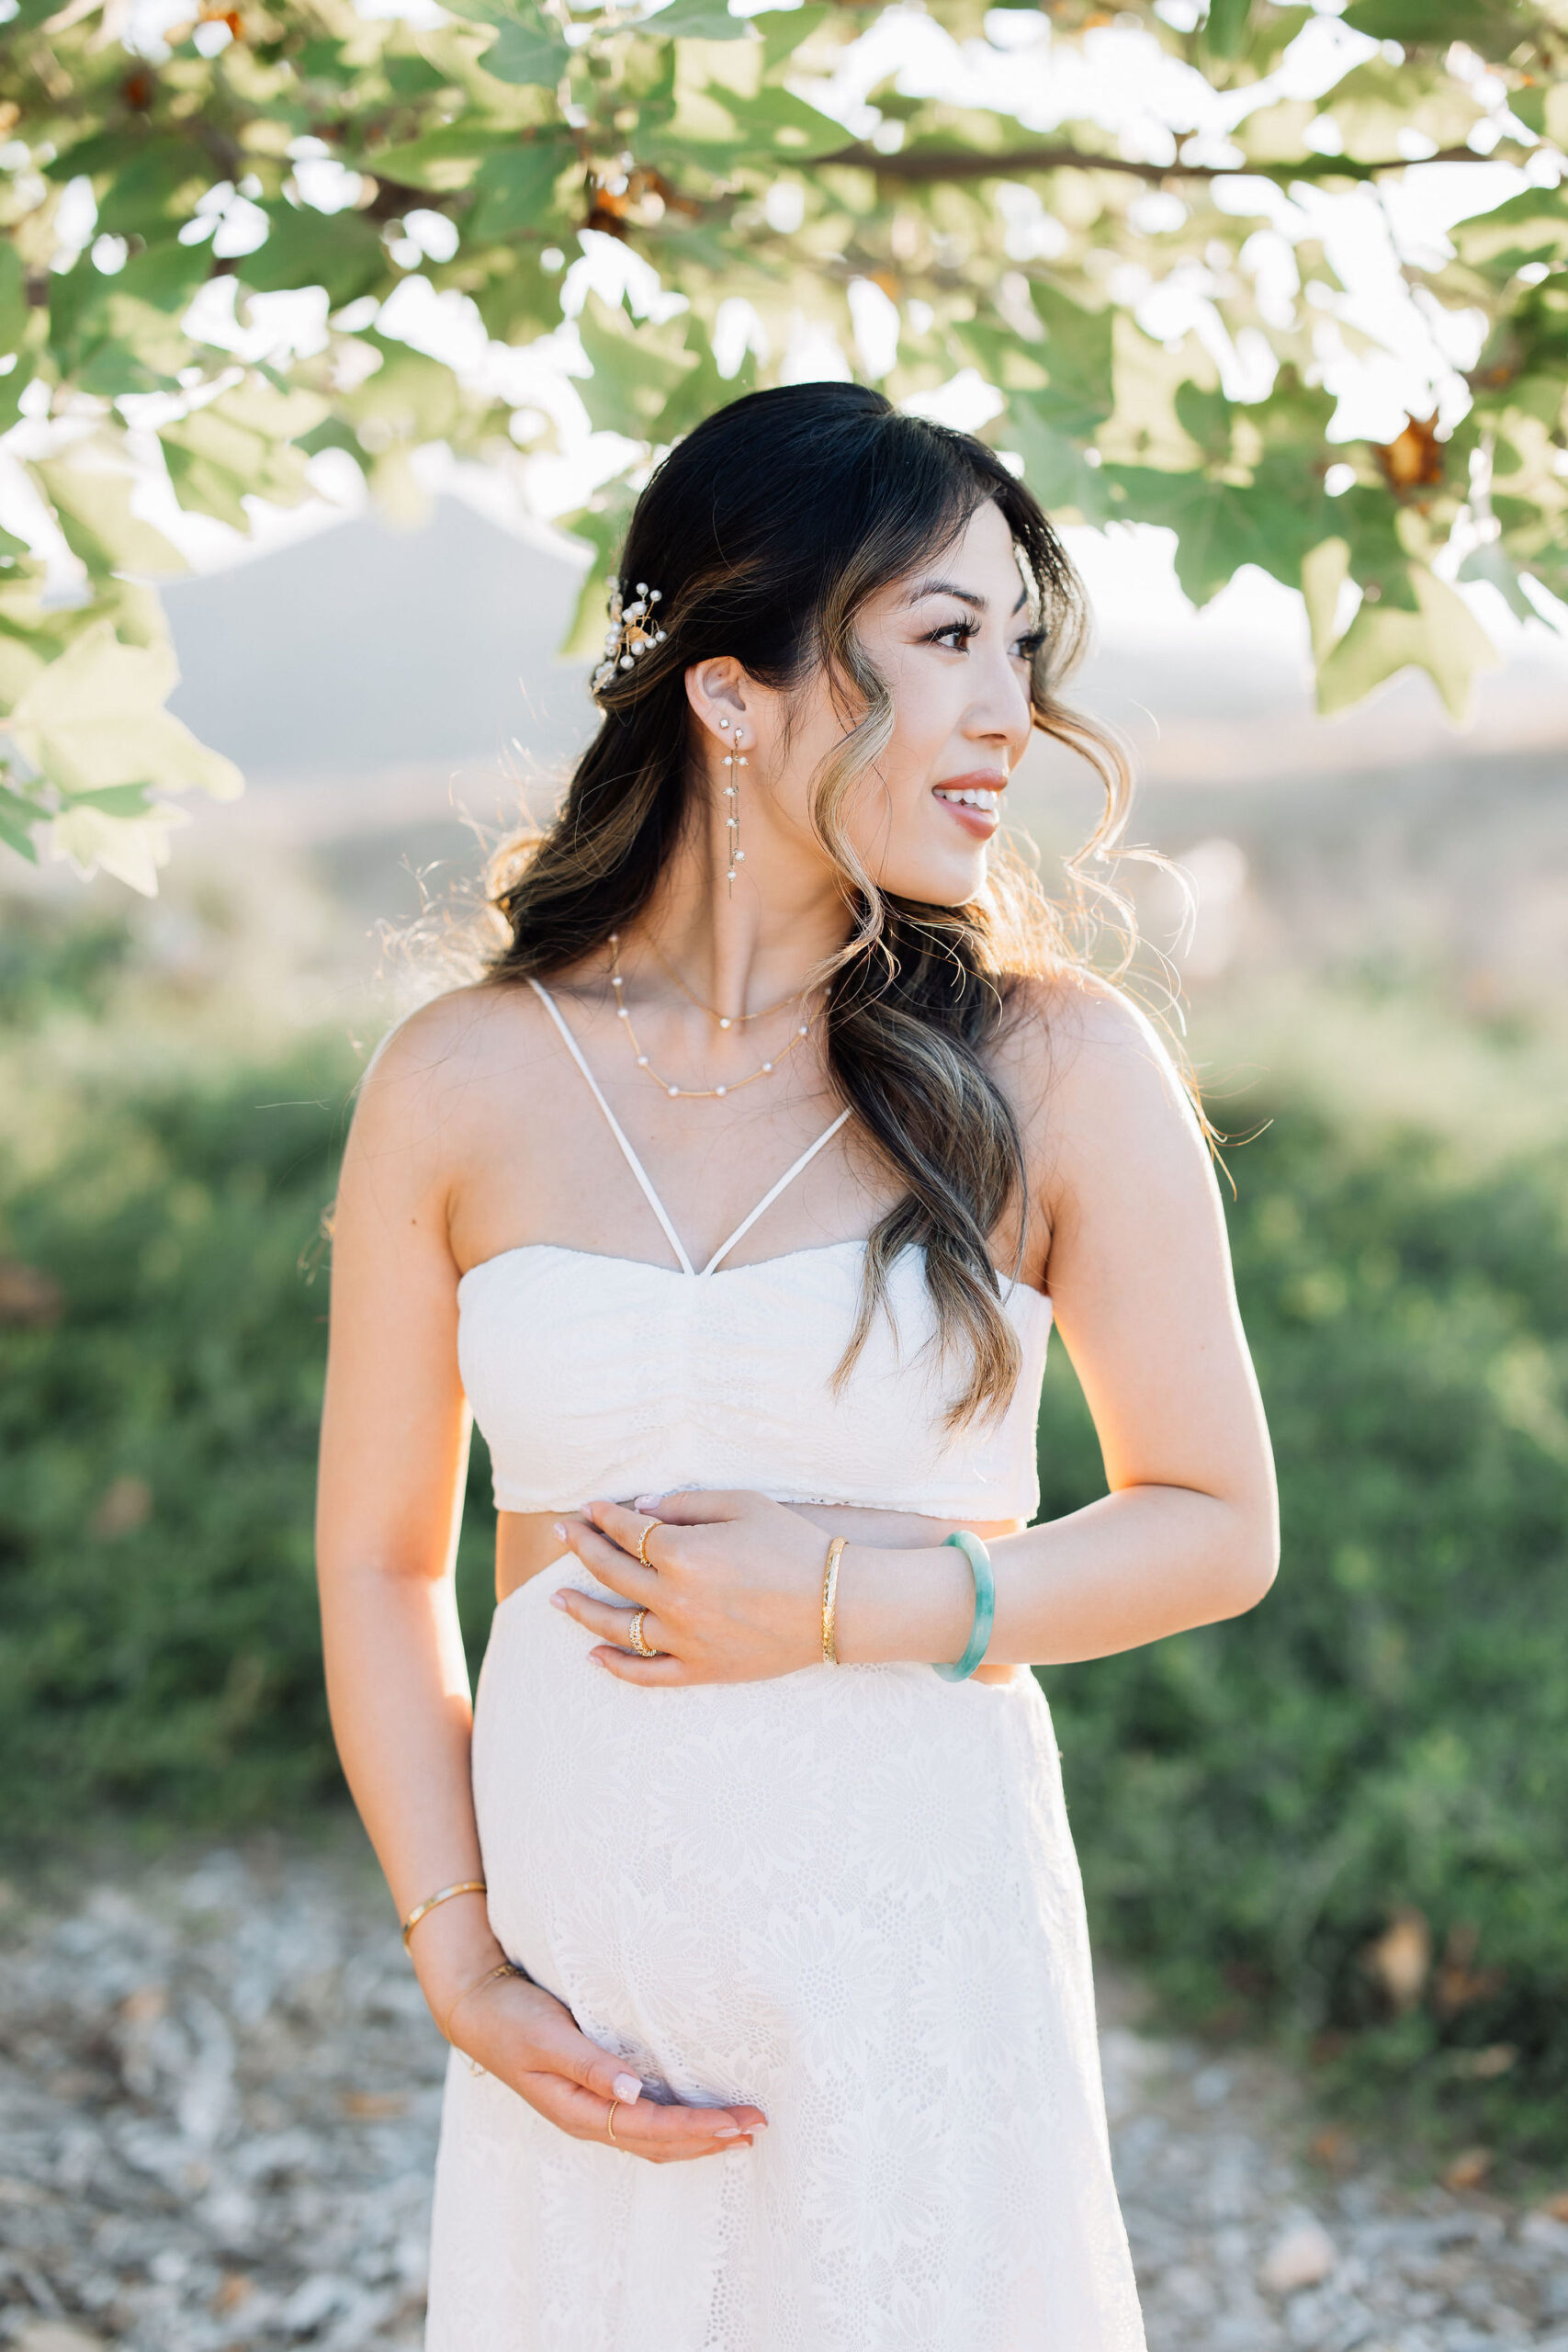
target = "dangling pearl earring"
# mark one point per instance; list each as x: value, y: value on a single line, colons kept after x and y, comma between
x: 733, y: 762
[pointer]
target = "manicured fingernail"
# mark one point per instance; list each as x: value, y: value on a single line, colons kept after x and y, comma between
x: 559, y: 1532
x: 627, y: 2089
x: 727, y: 2131
x: 647, y: 1502
x: 557, y: 1601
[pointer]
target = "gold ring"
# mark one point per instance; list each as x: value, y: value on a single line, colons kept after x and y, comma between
x: 637, y: 1638
x: 642, y: 1543
x: 610, y: 2123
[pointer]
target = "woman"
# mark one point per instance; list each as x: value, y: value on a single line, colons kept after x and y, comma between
x: 739, y: 1198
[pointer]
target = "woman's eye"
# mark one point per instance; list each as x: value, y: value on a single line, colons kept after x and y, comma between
x: 1027, y: 647
x: 960, y: 630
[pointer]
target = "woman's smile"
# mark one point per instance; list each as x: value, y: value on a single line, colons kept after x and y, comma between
x: 974, y: 801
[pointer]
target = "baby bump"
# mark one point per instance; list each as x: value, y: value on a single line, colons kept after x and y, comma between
x: 732, y: 1881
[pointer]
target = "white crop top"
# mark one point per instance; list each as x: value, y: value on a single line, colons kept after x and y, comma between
x: 599, y: 1376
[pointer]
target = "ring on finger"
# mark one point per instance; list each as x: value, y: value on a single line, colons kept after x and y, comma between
x: 638, y: 1639
x: 610, y: 2123
x: 642, y: 1543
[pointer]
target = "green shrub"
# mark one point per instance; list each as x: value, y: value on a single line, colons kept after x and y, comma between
x: 158, y: 1636
x: 1255, y: 1801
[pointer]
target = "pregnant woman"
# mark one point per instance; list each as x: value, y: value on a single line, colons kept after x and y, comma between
x: 737, y: 1201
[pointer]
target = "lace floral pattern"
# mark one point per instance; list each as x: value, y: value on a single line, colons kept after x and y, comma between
x: 851, y: 1896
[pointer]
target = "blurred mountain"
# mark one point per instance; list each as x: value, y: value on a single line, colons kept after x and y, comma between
x: 365, y: 660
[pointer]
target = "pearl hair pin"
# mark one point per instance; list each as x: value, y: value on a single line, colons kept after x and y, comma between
x: 632, y: 633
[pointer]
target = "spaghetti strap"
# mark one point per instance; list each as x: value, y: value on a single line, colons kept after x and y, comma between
x: 640, y: 1173
x: 633, y: 1163
x: 806, y: 1157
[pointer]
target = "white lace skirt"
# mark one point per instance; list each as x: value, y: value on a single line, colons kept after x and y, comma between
x: 848, y: 1896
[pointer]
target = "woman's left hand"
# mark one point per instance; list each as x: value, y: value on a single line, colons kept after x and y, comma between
x: 733, y: 1591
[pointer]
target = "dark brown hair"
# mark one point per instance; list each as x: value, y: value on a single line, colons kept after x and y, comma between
x: 767, y: 530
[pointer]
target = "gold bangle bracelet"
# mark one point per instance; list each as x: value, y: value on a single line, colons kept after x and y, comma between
x: 442, y: 1895
x: 831, y: 1599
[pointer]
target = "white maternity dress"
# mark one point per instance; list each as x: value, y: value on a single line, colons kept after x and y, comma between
x: 848, y: 1895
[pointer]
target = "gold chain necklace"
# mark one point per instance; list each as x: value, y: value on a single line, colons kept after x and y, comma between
x: 725, y: 1020
x: 690, y: 1092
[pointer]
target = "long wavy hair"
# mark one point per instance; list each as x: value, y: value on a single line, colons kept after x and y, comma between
x: 767, y: 530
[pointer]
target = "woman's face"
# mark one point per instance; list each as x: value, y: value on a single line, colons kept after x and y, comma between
x: 953, y: 643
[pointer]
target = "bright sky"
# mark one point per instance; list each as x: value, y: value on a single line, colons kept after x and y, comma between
x: 1124, y: 81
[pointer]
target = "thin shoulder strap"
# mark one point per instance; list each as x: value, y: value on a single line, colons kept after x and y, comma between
x: 633, y: 1163
x: 806, y: 1157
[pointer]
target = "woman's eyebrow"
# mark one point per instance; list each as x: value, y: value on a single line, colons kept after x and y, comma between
x: 964, y: 595
x: 947, y: 588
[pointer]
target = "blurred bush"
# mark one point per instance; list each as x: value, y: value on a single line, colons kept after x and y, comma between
x: 1347, y: 1809
x: 1343, y: 1813
x: 163, y: 1305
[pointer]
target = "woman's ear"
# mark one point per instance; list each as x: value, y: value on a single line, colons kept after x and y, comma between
x: 717, y: 691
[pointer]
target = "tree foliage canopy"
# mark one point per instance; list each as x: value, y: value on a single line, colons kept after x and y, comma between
x: 1150, y: 299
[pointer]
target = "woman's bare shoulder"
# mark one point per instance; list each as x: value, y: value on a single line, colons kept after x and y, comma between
x: 1095, y: 1063
x: 1057, y: 1019
x: 433, y: 1068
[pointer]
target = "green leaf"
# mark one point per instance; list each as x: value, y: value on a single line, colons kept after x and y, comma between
x: 1206, y: 417
x: 91, y: 494
x: 1273, y: 521
x: 239, y: 446
x: 166, y: 278
x: 158, y: 188
x: 100, y: 152
x: 12, y: 387
x: 1067, y: 374
x: 132, y: 848
x: 786, y: 31
x: 703, y: 391
x: 528, y: 49
x: 1531, y: 227
x: 95, y: 716
x: 636, y: 368
x: 1440, y: 635
x: 17, y: 819
x: 1367, y: 521
x: 1225, y: 35
x: 442, y: 162
x: 521, y: 299
x: 603, y: 525
x: 341, y: 251
x: 1435, y: 22
x: 115, y: 799
x: 410, y: 398
x: 516, y: 188
x: 1055, y: 465
x: 696, y: 20
x: 722, y: 129
x: 14, y: 311
x: 1490, y: 563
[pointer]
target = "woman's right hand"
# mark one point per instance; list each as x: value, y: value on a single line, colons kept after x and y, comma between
x: 529, y: 2040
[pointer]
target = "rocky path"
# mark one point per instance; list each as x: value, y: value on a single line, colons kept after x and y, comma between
x: 218, y: 2093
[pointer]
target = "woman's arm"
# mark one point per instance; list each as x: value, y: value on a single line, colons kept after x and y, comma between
x: 1140, y: 1279
x: 394, y: 1451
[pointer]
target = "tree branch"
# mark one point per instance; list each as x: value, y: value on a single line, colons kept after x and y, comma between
x: 927, y: 165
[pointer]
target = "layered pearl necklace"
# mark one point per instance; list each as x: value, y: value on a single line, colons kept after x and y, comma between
x: 765, y: 1069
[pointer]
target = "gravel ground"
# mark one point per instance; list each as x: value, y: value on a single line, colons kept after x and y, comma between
x: 218, y: 2095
